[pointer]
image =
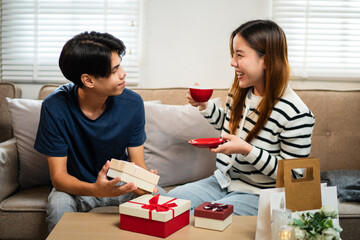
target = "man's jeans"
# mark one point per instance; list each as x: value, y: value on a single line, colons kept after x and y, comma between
x: 61, y: 202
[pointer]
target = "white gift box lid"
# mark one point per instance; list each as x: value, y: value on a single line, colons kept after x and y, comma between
x: 147, y: 186
x: 134, y: 170
x: 134, y: 208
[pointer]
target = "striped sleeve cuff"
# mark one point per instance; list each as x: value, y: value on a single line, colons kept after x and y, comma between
x: 254, y: 156
x: 208, y: 111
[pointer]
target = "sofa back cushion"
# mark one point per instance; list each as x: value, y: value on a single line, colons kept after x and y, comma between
x: 336, y: 136
x: 171, y: 96
x: 335, y: 139
x: 176, y: 96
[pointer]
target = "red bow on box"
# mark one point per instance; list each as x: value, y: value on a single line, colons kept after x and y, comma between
x: 154, y: 205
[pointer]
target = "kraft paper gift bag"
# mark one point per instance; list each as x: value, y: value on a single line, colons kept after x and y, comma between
x: 295, y: 194
x: 303, y: 193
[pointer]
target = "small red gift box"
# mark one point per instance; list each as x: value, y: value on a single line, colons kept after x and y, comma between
x: 214, y: 216
x: 158, y: 216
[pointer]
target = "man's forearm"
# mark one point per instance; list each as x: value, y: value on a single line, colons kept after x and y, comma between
x: 69, y: 184
x: 136, y: 155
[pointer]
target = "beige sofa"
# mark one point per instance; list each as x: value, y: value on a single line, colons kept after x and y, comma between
x: 169, y: 126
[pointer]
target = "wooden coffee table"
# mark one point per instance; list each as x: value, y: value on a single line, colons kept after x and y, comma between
x: 106, y: 226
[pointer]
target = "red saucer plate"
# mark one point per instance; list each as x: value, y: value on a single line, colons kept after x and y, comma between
x: 207, y: 142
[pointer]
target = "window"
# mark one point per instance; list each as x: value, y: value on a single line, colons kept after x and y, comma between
x: 34, y: 32
x: 323, y: 37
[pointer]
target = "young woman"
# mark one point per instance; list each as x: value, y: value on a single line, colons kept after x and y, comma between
x: 264, y: 121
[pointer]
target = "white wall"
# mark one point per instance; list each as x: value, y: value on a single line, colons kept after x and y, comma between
x: 187, y: 41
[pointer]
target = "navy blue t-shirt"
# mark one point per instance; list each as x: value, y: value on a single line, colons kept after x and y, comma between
x: 64, y: 130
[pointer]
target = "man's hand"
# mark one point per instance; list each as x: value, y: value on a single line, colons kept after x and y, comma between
x: 233, y: 145
x: 105, y: 188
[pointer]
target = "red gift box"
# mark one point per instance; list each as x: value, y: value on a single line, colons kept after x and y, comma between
x: 214, y: 216
x: 158, y: 216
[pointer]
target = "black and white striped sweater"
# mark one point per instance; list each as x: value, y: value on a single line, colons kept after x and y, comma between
x: 286, y: 134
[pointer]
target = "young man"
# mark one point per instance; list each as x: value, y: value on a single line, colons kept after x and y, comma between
x: 87, y: 122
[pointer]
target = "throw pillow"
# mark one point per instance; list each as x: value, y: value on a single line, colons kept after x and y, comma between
x: 33, y: 167
x: 168, y: 129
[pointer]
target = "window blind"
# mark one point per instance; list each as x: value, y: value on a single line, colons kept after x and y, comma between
x: 34, y: 32
x: 323, y: 37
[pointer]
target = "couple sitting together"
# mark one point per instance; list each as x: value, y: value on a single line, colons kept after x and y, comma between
x: 85, y: 123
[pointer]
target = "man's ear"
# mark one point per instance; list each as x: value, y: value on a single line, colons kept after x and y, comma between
x: 87, y: 80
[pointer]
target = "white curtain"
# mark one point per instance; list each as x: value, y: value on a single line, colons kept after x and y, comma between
x: 33, y: 33
x: 323, y: 37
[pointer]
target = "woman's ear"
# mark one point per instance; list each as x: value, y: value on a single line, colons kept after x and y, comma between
x: 264, y: 62
x: 87, y: 80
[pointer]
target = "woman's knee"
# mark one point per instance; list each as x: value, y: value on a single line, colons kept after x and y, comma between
x: 245, y: 204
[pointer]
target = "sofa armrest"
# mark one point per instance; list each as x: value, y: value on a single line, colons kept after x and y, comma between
x: 9, y: 169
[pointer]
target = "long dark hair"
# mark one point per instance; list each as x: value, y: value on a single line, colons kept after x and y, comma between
x: 267, y: 39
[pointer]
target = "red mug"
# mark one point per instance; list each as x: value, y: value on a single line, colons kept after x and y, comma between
x: 200, y: 94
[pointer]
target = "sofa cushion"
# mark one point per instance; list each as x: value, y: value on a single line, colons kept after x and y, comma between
x: 349, y: 209
x: 33, y: 168
x: 168, y: 129
x: 28, y: 200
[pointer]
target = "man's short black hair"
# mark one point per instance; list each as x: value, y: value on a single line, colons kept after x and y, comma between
x: 89, y: 53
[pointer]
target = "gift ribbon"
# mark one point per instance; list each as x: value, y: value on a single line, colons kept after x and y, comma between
x: 215, y: 207
x: 154, y: 205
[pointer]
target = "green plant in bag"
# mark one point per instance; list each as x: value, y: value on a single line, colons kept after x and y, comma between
x: 316, y: 225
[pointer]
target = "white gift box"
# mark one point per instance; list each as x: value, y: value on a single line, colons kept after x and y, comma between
x: 129, y: 172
